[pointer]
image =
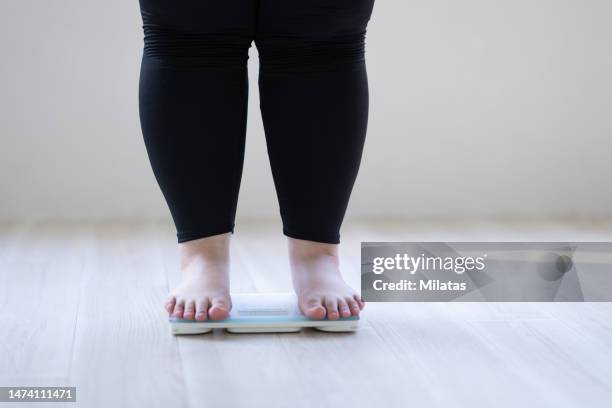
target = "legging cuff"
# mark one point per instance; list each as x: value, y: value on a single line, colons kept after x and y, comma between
x: 325, y: 238
x: 185, y: 236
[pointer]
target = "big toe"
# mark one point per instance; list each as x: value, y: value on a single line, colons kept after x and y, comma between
x: 313, y: 308
x: 220, y: 309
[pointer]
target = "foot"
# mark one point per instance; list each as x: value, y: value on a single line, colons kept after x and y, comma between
x: 318, y: 282
x: 203, y: 290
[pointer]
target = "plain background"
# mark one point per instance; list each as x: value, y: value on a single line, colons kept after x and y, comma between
x: 479, y: 108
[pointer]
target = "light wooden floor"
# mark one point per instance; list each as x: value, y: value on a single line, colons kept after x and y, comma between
x: 81, y: 305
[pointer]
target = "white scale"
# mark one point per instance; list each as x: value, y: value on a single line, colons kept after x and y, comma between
x: 264, y: 313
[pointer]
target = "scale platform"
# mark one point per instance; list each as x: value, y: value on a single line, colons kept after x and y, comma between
x: 264, y: 313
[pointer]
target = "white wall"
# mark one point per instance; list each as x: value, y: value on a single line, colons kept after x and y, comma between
x: 479, y: 107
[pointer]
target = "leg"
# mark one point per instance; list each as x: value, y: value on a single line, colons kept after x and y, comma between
x: 193, y: 101
x: 314, y: 102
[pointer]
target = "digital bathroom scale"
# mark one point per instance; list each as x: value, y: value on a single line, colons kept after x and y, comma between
x: 264, y: 313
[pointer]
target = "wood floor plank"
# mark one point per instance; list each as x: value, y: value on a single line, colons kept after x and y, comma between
x: 10, y: 236
x: 39, y: 297
x: 124, y: 354
x: 264, y: 261
x: 353, y: 370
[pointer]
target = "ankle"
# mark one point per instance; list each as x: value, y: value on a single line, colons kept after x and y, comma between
x: 310, y: 251
x: 205, y: 252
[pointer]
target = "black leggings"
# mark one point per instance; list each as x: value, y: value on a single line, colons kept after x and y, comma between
x: 314, y: 104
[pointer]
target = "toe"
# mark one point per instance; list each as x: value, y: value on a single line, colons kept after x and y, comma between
x: 313, y: 309
x: 353, y: 306
x: 201, y: 310
x: 343, y: 308
x: 219, y: 309
x: 359, y: 301
x: 170, y: 304
x: 179, y: 308
x: 189, y: 313
x: 331, y: 305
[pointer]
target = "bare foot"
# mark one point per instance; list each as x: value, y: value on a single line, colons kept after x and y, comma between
x: 318, y: 282
x: 203, y: 290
